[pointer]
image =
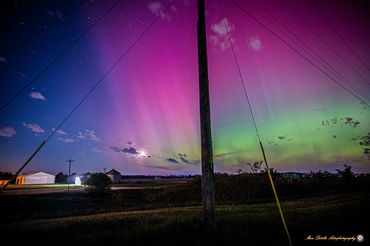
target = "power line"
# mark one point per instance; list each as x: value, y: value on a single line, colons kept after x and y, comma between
x: 298, y: 52
x: 325, y: 42
x: 307, y: 49
x: 37, y: 33
x: 124, y: 54
x: 57, y: 58
x: 339, y: 36
x: 256, y: 128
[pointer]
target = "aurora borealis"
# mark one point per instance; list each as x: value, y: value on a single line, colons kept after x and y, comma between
x: 144, y: 117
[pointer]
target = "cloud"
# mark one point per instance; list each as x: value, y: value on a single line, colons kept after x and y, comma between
x: 183, y: 159
x: 81, y: 135
x: 255, y: 43
x: 67, y: 140
x: 172, y: 160
x: 130, y: 151
x: 37, y: 95
x: 221, y: 155
x: 59, y: 131
x: 34, y: 127
x: 91, y: 134
x: 97, y: 150
x: 7, y: 131
x: 157, y: 9
x: 55, y: 14
x: 219, y: 36
x: 351, y: 122
x: 158, y: 167
x: 88, y: 134
x: 2, y: 59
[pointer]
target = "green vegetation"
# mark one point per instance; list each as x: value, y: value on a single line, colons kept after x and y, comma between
x: 98, y: 183
x: 318, y: 203
x: 244, y: 224
x: 255, y: 186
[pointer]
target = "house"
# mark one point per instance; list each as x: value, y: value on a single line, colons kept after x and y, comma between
x: 3, y: 181
x: 36, y: 178
x: 114, y: 175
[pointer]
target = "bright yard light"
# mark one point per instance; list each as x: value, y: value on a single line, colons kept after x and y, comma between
x: 77, y: 181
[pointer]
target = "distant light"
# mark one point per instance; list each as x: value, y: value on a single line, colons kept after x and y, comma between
x: 77, y: 181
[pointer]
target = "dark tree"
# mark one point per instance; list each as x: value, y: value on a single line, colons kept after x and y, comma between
x: 346, y: 174
x: 98, y: 183
x: 61, y: 178
x: 6, y: 175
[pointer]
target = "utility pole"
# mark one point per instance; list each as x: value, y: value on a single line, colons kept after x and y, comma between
x: 69, y: 169
x: 208, y: 188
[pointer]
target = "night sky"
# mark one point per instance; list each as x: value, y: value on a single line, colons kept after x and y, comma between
x: 144, y: 117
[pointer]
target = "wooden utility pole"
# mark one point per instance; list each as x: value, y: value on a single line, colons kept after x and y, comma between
x: 69, y: 169
x: 208, y: 188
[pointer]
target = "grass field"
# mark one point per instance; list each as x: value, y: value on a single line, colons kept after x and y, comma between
x: 236, y: 224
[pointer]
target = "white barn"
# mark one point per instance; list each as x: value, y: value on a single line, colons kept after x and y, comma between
x: 36, y: 178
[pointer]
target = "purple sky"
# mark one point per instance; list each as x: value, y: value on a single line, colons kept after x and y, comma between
x: 148, y: 104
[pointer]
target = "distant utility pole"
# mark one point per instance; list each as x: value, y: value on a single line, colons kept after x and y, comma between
x: 69, y: 169
x: 208, y: 188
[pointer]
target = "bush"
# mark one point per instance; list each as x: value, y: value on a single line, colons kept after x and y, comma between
x: 98, y: 183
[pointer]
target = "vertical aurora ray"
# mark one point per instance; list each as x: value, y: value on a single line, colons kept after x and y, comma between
x: 154, y: 96
x: 151, y: 97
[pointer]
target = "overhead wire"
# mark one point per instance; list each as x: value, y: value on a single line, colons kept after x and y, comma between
x: 325, y: 43
x: 299, y: 53
x: 123, y: 55
x: 306, y: 48
x: 58, y: 57
x: 256, y: 128
x: 339, y: 35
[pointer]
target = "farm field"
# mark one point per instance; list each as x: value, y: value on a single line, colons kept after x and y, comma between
x: 128, y: 216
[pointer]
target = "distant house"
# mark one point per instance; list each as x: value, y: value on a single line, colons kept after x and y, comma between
x: 3, y: 181
x: 36, y: 178
x: 114, y: 175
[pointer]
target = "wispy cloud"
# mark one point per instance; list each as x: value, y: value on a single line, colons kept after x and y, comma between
x: 255, y: 43
x: 88, y: 134
x: 92, y: 135
x: 172, y: 160
x: 55, y: 14
x: 219, y: 36
x: 81, y: 135
x: 97, y: 150
x: 2, y: 59
x: 34, y: 127
x: 67, y: 140
x: 158, y: 9
x: 7, y: 131
x: 180, y: 158
x: 37, y: 95
x: 60, y: 131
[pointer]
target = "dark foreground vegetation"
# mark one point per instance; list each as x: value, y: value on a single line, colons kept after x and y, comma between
x: 315, y: 204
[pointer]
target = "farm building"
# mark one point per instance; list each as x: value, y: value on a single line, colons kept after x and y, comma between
x: 114, y: 175
x: 36, y: 178
x: 3, y: 181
